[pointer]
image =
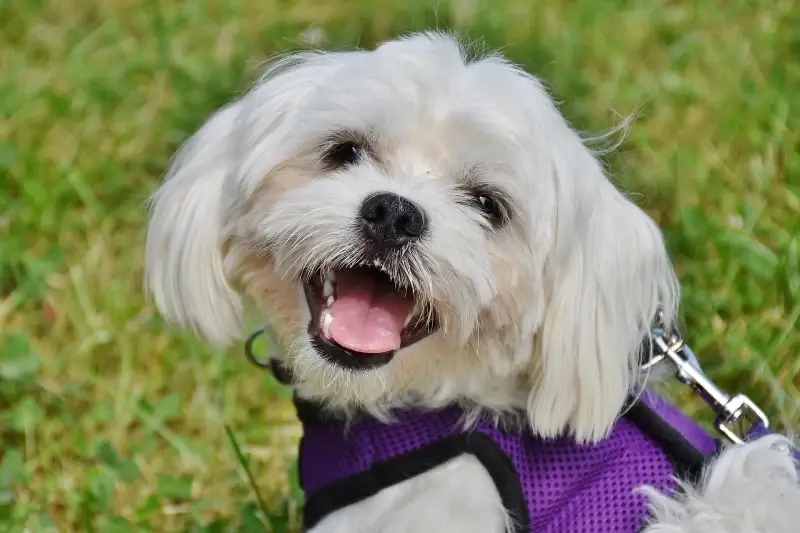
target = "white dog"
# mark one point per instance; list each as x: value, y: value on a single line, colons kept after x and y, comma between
x: 423, y: 229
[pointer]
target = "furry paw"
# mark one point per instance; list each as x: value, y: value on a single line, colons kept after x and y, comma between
x: 750, y: 488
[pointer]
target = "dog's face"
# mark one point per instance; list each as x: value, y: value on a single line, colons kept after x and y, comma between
x: 416, y: 228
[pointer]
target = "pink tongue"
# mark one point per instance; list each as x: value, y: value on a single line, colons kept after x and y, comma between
x: 368, y: 313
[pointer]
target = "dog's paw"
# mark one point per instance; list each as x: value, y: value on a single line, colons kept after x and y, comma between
x: 749, y: 488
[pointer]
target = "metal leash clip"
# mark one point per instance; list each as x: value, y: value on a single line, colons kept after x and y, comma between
x: 731, y: 411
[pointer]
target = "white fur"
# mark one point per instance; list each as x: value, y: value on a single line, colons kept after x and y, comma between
x: 183, y: 253
x: 434, y: 501
x: 752, y: 488
x: 545, y: 313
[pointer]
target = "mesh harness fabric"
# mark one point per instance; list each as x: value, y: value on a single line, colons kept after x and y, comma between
x: 547, y: 486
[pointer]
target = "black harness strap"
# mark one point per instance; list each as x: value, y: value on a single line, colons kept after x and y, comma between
x: 384, y: 474
x: 687, y: 461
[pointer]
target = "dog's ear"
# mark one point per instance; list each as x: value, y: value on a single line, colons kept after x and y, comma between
x: 184, y: 268
x: 608, y: 277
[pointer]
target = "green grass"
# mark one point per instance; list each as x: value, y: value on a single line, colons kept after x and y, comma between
x: 111, y: 422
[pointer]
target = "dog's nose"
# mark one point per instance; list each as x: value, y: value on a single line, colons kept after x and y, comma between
x: 391, y: 221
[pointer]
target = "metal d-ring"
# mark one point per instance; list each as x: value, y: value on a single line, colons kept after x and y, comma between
x: 248, y: 350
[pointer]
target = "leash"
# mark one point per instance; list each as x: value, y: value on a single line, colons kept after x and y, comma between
x: 732, y: 412
x: 738, y: 418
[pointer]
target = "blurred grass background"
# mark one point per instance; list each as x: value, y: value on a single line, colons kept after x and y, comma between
x: 111, y: 422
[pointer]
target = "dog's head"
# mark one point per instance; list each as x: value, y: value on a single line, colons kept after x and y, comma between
x: 416, y: 227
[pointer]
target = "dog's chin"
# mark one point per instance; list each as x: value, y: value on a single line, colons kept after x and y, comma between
x: 361, y: 318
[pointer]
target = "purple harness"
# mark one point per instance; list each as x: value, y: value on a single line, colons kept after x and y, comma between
x: 548, y: 486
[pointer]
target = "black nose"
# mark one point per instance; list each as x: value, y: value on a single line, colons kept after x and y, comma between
x: 390, y: 221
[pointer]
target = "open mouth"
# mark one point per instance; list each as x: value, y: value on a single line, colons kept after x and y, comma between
x: 360, y: 318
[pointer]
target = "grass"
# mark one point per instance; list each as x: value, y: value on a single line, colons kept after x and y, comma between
x: 111, y: 422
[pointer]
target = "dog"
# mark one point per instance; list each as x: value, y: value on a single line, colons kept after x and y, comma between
x: 421, y: 228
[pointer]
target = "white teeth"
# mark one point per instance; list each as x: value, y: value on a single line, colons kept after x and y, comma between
x: 331, y: 275
x: 377, y: 263
x: 327, y: 288
x: 327, y: 320
x: 330, y: 300
x: 415, y: 312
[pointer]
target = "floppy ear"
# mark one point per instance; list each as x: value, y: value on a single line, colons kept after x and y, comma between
x: 184, y: 268
x: 608, y: 277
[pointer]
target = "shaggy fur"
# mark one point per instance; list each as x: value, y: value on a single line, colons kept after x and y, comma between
x: 544, y: 311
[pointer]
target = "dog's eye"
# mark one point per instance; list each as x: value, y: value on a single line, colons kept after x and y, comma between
x: 343, y: 154
x: 490, y: 202
x: 490, y: 207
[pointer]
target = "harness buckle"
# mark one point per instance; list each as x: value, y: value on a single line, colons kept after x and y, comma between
x: 731, y: 411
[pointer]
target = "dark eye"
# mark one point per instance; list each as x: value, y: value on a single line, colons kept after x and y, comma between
x: 343, y: 154
x: 489, y: 201
x: 490, y: 207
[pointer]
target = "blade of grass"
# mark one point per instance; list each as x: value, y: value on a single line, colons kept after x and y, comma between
x: 245, y: 464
